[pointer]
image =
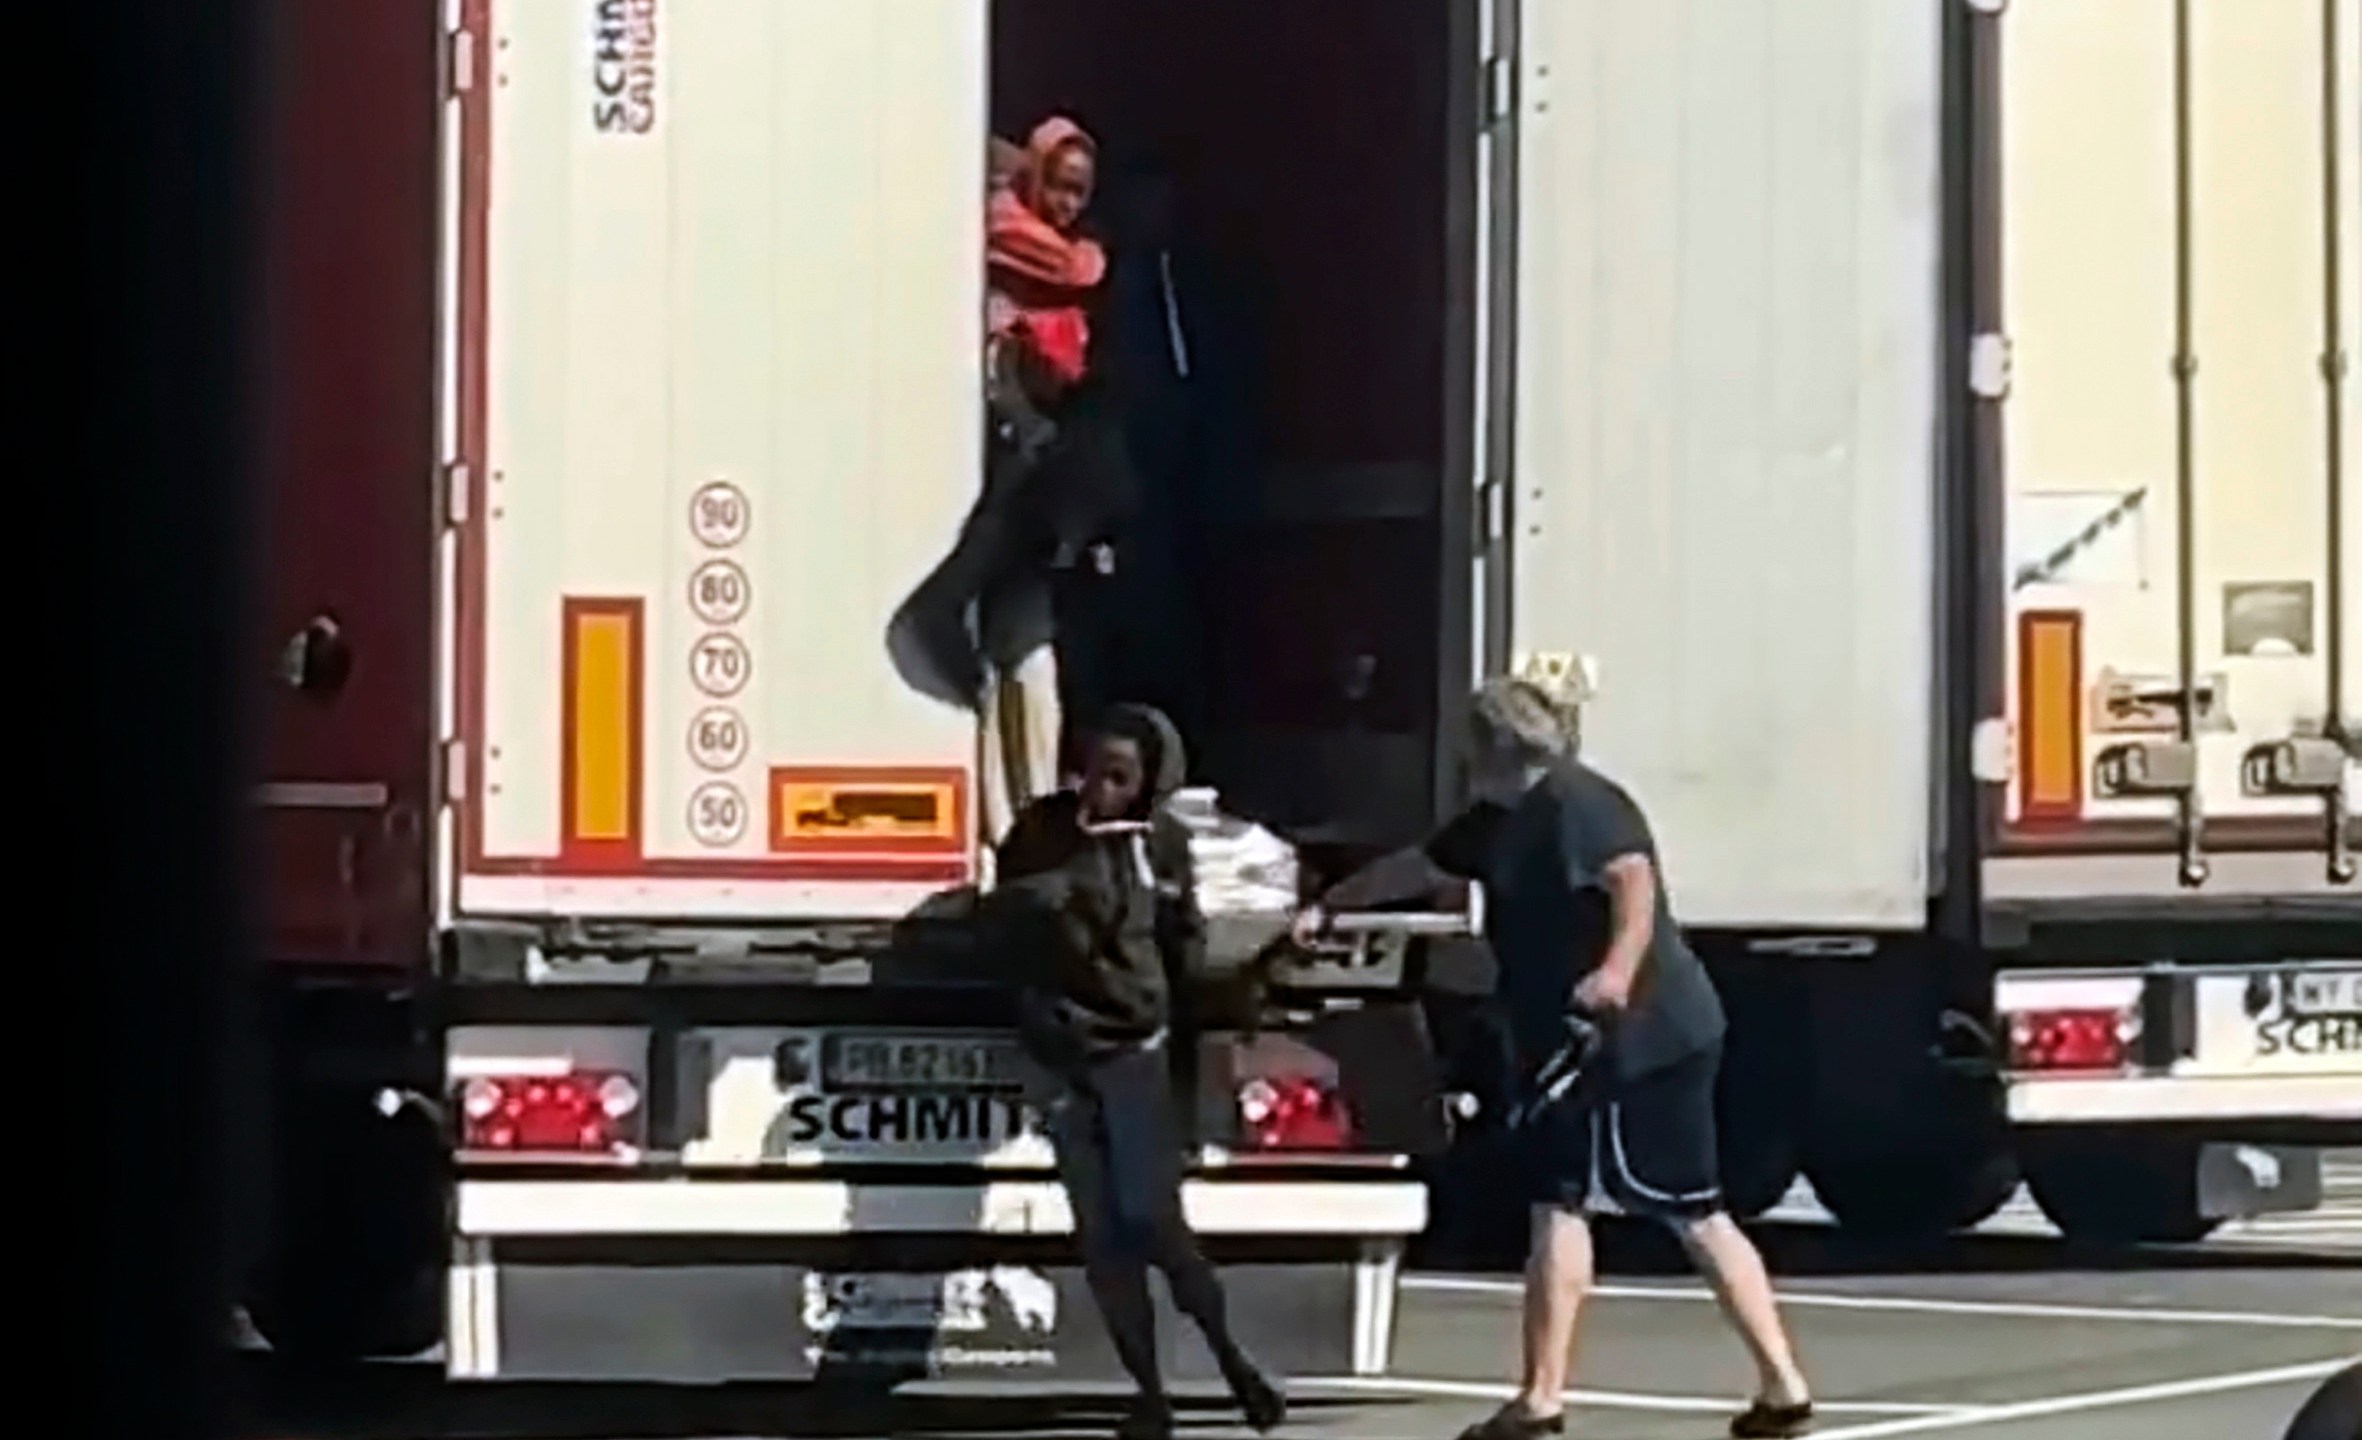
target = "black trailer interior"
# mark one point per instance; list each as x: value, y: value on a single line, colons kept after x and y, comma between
x: 1320, y: 153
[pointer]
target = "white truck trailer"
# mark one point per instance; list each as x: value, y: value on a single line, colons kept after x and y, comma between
x: 1936, y: 487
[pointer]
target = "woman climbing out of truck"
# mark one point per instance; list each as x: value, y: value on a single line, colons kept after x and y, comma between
x: 981, y: 629
x: 1096, y: 912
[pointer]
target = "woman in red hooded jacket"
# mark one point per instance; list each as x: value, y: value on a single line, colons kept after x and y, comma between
x: 1039, y: 272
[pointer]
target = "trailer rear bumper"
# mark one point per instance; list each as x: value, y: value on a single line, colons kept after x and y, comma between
x: 697, y: 1207
x: 701, y: 1281
x: 2334, y: 1099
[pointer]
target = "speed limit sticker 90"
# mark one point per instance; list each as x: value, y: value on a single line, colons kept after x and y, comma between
x: 719, y: 515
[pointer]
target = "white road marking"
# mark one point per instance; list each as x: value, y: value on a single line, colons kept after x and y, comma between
x: 1912, y: 1304
x: 1607, y: 1399
x: 2090, y: 1400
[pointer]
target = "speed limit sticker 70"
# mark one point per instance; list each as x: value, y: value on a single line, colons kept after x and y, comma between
x: 719, y: 665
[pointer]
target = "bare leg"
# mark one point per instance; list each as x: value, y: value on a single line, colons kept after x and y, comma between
x: 1557, y: 1277
x: 1734, y: 1269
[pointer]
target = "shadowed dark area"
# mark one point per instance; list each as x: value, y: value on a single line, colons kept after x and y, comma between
x: 412, y: 1402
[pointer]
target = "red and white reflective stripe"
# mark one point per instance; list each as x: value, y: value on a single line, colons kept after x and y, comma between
x: 2080, y: 1039
x: 584, y: 1113
x: 2064, y: 1024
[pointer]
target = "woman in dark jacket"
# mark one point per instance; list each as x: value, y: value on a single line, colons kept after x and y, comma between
x: 1098, y: 909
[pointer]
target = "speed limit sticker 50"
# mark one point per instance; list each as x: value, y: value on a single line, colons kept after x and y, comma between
x: 717, y: 814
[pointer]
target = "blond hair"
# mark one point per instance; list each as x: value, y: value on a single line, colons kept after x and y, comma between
x: 1520, y: 716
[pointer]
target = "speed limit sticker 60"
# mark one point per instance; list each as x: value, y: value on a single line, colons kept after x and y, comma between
x: 717, y: 739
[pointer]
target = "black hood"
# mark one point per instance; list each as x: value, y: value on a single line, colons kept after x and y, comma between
x: 1161, y: 751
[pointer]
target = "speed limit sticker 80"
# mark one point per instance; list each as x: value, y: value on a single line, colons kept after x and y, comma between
x: 719, y: 592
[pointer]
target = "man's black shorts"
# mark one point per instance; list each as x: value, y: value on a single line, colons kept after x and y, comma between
x: 1647, y: 1143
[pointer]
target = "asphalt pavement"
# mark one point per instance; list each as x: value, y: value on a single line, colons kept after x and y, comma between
x: 2007, y: 1334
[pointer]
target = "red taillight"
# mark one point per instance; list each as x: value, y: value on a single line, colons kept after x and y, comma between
x: 581, y: 1113
x: 1293, y: 1113
x: 2072, y: 1039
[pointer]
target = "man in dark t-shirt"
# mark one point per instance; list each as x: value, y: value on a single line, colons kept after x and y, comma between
x: 1577, y: 915
x: 1544, y: 857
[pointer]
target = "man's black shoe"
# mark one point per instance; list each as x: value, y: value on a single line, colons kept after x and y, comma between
x: 1514, y: 1422
x: 1765, y: 1421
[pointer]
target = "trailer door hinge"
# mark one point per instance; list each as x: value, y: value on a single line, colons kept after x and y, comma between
x: 1988, y: 366
x: 456, y: 477
x: 459, y: 63
x: 1500, y: 91
x: 1992, y: 752
x: 454, y: 772
x: 1492, y: 505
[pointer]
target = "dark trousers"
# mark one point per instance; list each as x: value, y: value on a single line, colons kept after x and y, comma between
x: 1042, y: 505
x: 1119, y: 1154
x: 933, y: 637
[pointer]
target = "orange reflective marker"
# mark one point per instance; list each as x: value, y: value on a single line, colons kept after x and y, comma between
x: 2050, y: 715
x: 601, y: 783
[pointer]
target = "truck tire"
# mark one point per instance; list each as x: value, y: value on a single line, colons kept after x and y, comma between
x: 311, y: 1326
x: 1759, y: 1099
x: 1912, y: 1194
x: 1906, y: 1128
x: 354, y: 1269
x: 2335, y: 1410
x: 1758, y: 1170
x: 2105, y: 1188
x: 1477, y: 1216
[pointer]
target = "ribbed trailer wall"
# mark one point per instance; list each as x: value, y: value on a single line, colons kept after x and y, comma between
x: 1727, y: 332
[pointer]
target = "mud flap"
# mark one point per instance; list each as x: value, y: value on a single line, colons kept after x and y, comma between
x: 527, y: 1311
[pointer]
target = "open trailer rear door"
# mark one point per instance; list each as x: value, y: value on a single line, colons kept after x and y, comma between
x: 344, y: 718
x: 2180, y: 232
x: 714, y: 337
x: 1722, y: 355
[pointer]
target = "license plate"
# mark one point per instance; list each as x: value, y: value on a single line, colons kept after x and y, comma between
x: 807, y: 1095
x: 2285, y: 1021
x: 2333, y: 992
x: 933, y: 1063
